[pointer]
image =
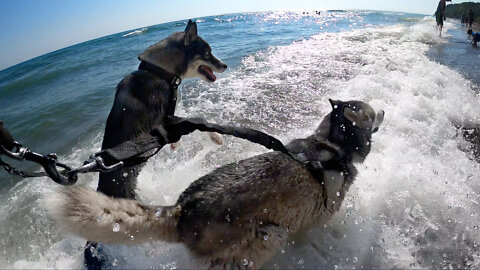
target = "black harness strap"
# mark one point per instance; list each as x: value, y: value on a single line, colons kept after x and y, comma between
x: 173, y: 129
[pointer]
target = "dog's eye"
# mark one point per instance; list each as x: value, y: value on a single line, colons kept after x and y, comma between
x: 208, y: 54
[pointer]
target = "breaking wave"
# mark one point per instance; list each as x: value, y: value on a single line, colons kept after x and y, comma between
x: 136, y: 32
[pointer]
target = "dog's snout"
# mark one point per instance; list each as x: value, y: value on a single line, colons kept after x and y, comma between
x: 220, y: 66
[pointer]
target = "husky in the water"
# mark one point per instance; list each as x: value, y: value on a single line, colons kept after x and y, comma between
x: 148, y: 95
x: 145, y: 97
x: 241, y: 214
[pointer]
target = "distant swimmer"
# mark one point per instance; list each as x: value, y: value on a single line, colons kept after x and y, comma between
x: 475, y: 37
x: 471, y: 18
x: 440, y: 14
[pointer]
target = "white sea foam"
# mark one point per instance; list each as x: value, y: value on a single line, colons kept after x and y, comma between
x: 414, y: 203
x: 136, y: 32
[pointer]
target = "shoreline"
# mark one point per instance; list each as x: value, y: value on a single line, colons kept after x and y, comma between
x: 458, y: 54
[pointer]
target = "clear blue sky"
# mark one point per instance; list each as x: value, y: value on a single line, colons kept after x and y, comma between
x: 30, y: 28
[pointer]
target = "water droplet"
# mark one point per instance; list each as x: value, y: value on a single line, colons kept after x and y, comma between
x: 245, y: 262
x: 282, y: 251
x: 354, y: 123
x: 300, y: 261
x: 116, y: 227
x: 335, y: 106
x: 115, y: 262
x: 355, y: 259
x: 227, y: 217
x: 123, y: 109
x: 125, y: 174
x: 99, y: 218
x: 132, y: 237
x: 265, y: 210
x: 250, y: 264
x: 338, y: 194
x: 265, y: 237
x: 475, y: 227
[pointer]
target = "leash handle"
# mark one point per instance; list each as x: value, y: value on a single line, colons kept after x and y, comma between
x: 14, y: 150
x: 6, y: 140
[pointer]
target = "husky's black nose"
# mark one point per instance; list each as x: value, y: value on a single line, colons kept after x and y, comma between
x: 224, y: 66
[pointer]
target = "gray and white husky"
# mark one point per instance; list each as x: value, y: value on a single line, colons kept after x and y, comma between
x: 147, y: 96
x: 240, y: 214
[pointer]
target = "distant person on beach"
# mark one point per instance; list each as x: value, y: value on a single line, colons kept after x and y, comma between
x: 463, y: 19
x: 471, y: 18
x: 440, y: 14
x: 475, y: 37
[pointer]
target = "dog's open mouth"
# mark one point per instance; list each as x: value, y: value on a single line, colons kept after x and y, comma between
x: 207, y: 72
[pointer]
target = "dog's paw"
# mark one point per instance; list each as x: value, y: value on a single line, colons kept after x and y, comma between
x: 216, y: 138
x: 174, y: 146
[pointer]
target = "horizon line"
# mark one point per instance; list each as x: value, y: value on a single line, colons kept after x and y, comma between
x: 179, y: 20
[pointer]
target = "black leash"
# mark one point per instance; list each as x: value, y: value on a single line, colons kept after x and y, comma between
x: 127, y: 154
x: 174, y: 128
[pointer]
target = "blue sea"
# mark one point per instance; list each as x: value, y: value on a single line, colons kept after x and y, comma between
x: 415, y: 203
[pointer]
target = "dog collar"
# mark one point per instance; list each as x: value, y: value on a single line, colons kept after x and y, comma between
x: 172, y: 79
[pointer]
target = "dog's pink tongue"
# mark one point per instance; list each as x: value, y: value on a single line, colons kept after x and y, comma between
x: 209, y: 72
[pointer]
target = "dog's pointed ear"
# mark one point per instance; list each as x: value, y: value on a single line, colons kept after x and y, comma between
x: 335, y: 103
x: 190, y: 32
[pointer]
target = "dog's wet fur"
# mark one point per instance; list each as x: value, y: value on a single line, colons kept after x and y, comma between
x: 241, y: 214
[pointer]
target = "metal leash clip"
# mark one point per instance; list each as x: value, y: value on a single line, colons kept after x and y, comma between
x: 18, y: 154
x: 95, y: 164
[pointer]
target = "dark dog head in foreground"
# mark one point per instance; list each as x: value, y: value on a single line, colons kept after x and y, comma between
x: 350, y: 125
x: 241, y: 214
x: 185, y: 54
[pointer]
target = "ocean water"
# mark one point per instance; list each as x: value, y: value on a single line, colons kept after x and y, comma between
x: 415, y: 203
